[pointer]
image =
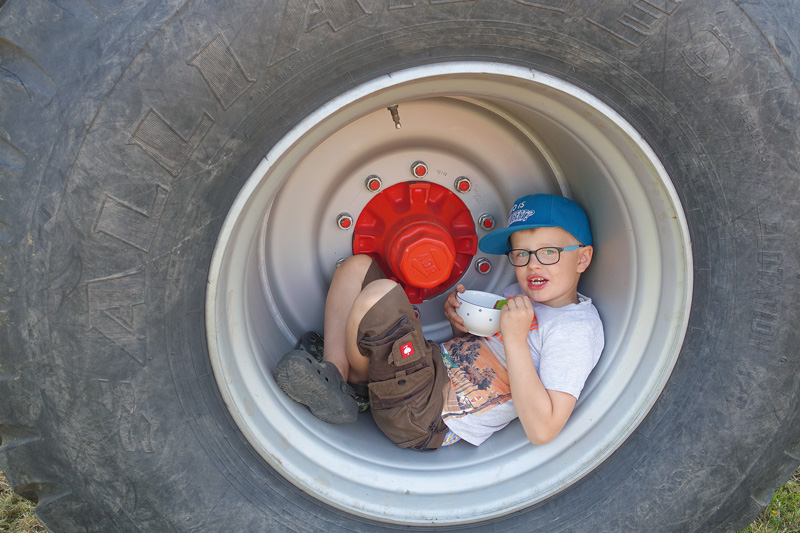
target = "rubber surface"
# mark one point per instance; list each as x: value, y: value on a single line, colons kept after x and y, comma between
x: 319, y: 386
x: 125, y: 132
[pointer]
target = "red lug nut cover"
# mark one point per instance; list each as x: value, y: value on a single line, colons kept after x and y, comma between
x: 421, y: 234
x: 422, y: 255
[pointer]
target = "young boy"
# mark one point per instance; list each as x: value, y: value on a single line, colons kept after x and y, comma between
x: 423, y: 395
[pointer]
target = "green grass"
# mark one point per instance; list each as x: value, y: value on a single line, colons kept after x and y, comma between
x: 781, y: 516
x: 16, y: 513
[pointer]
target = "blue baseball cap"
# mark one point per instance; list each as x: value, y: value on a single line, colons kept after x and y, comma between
x: 539, y: 211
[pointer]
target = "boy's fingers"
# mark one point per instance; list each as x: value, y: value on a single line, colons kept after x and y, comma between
x: 518, y: 304
x: 452, y: 296
x: 522, y: 301
x: 514, y: 302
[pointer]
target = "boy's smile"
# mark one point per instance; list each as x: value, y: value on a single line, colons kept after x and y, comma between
x: 536, y: 283
x: 552, y: 285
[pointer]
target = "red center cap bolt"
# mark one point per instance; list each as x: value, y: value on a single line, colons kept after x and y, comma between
x: 422, y: 255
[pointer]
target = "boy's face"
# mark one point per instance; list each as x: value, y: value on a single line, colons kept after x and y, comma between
x: 552, y: 285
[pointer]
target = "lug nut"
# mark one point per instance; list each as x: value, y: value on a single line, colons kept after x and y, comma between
x: 419, y: 169
x: 463, y: 185
x: 344, y: 221
x: 486, y: 221
x: 373, y: 183
x: 483, y: 265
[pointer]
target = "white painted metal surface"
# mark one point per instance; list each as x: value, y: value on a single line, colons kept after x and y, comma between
x: 512, y: 132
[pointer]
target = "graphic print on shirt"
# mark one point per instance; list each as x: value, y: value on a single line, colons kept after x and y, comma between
x: 478, y: 381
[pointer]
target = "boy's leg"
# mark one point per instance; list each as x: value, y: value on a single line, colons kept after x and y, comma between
x: 366, y: 300
x: 322, y: 386
x: 348, y: 282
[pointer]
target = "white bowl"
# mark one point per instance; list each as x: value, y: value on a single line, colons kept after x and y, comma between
x: 478, y: 312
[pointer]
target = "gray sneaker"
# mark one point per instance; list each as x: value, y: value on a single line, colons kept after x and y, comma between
x: 317, y: 385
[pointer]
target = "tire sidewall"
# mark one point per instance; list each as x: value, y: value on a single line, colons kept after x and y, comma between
x: 133, y: 365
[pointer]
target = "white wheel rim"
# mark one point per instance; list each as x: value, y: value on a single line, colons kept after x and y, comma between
x: 513, y: 132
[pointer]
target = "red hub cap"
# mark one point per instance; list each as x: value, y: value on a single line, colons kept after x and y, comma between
x: 421, y: 234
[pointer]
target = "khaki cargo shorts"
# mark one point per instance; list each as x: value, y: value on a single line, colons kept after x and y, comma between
x: 406, y: 374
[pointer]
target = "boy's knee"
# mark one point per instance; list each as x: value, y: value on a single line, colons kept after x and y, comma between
x: 357, y: 264
x: 365, y: 301
x: 372, y: 293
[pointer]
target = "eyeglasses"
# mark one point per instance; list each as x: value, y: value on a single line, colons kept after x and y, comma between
x: 549, y: 255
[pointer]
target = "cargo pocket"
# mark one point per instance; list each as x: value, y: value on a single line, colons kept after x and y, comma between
x: 400, y: 406
x: 381, y: 345
x: 408, y: 350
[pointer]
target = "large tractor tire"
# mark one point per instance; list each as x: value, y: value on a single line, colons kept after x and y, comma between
x: 179, y: 179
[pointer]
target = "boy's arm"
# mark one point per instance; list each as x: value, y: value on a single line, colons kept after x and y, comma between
x: 542, y: 412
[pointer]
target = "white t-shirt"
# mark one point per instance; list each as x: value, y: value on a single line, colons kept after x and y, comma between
x: 565, y: 345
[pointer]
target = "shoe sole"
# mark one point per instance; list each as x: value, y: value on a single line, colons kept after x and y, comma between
x: 310, y: 383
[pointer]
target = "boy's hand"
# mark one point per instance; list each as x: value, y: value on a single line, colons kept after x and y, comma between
x: 450, y: 305
x: 516, y: 318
